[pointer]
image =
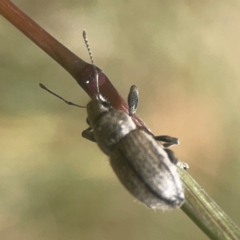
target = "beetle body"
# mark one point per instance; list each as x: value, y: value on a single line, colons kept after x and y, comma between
x: 139, y: 161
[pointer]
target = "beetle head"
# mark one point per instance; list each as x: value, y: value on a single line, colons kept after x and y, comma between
x: 97, y: 107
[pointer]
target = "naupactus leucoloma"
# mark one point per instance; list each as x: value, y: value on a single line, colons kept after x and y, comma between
x: 142, y: 162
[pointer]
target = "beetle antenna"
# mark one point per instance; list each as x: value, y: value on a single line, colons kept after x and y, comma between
x: 91, y: 58
x: 56, y: 95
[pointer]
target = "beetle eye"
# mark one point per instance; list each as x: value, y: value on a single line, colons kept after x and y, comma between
x: 103, y: 101
x: 105, y: 104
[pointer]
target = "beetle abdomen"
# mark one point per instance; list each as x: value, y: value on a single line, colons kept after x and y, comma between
x: 144, y: 168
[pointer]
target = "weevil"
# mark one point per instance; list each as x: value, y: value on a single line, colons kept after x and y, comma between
x: 142, y: 162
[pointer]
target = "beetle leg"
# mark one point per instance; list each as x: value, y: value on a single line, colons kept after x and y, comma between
x: 133, y: 100
x: 168, y: 141
x: 88, y: 134
x: 183, y: 165
x: 171, y: 156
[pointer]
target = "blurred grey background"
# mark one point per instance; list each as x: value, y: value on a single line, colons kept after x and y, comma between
x: 185, y: 58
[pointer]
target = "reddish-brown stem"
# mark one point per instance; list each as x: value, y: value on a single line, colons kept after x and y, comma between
x: 81, y: 71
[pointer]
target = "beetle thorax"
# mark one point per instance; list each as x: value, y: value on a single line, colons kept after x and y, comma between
x: 109, y: 125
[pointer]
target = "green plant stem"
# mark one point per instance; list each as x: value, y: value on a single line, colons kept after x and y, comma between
x: 204, y: 212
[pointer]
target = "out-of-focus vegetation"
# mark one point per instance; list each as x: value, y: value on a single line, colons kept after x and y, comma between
x: 184, y: 57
